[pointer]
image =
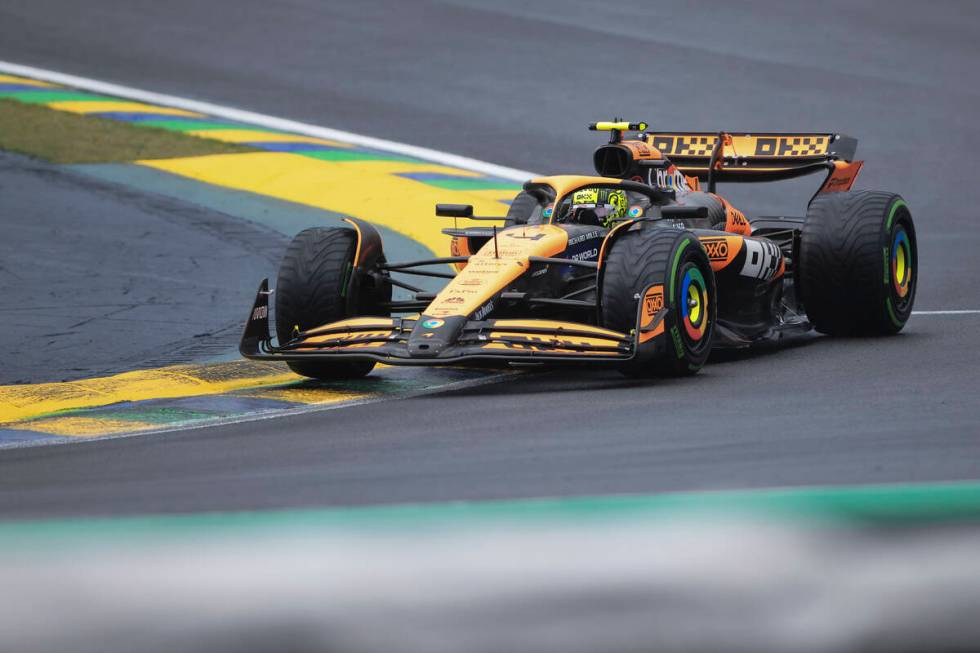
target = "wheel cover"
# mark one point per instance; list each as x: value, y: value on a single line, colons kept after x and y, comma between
x: 901, y: 263
x: 693, y: 302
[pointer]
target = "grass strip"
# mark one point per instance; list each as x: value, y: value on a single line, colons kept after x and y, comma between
x: 64, y: 137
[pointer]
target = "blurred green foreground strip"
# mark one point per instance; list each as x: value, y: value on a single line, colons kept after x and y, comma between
x: 843, y: 570
x: 873, y: 505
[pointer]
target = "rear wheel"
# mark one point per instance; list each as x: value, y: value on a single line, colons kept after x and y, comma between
x: 312, y: 289
x: 675, y: 259
x: 858, y: 263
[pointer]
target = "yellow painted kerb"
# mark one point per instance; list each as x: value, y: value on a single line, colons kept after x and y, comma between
x: 369, y: 190
x: 20, y: 402
x: 100, y: 106
x: 12, y: 79
x: 252, y: 136
x: 87, y: 427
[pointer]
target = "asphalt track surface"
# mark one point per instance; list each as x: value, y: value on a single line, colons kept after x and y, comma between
x: 90, y: 290
x: 514, y: 83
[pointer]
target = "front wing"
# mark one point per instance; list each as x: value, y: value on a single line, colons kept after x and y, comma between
x: 385, y: 339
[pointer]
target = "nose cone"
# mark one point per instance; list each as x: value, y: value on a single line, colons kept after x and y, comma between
x: 432, y: 335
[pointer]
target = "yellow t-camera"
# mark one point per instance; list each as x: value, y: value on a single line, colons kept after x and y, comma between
x: 617, y: 126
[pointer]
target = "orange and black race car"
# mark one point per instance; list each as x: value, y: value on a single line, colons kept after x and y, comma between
x: 638, y: 268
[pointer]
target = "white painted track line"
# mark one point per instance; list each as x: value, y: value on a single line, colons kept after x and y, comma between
x: 970, y: 311
x: 262, y: 120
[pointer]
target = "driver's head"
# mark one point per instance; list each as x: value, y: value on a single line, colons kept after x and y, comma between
x: 598, y: 206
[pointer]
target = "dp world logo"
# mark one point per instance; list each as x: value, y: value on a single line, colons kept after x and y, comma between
x: 433, y: 324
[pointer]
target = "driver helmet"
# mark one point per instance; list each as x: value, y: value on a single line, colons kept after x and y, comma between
x: 598, y: 206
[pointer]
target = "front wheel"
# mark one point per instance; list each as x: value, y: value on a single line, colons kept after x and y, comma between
x: 858, y: 263
x: 675, y: 260
x: 312, y: 290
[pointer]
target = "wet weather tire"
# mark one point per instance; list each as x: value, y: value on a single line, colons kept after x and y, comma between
x: 675, y: 259
x: 311, y: 290
x: 858, y: 263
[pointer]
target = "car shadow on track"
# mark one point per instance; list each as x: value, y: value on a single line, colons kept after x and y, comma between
x: 732, y: 355
x: 542, y: 380
x: 565, y: 379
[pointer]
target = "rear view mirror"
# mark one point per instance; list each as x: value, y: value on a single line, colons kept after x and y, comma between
x: 454, y: 210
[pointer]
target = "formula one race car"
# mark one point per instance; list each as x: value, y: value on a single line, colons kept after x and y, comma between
x: 637, y: 268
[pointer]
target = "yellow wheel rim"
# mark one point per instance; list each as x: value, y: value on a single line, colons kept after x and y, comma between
x: 900, y: 269
x: 901, y: 263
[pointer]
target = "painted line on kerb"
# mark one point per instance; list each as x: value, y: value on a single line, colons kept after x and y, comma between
x: 263, y: 120
x: 276, y: 413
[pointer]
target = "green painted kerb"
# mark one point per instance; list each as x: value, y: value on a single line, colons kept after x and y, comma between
x: 46, y: 97
x: 353, y: 155
x: 473, y: 184
x: 192, y: 125
x: 891, y: 505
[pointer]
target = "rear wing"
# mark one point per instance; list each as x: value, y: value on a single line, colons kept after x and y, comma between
x: 724, y: 156
x: 758, y: 156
